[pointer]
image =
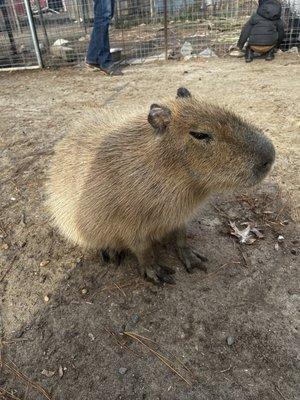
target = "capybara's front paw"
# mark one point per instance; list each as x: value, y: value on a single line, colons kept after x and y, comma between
x: 158, y: 274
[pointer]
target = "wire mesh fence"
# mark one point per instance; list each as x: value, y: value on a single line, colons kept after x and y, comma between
x: 141, y: 30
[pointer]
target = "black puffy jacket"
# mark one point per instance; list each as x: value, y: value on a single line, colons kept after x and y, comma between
x: 264, y: 28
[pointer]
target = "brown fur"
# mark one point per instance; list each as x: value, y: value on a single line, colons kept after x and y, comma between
x: 129, y: 184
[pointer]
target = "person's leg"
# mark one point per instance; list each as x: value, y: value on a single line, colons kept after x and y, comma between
x: 99, y: 49
x: 105, y: 59
x: 249, y: 54
x: 270, y: 55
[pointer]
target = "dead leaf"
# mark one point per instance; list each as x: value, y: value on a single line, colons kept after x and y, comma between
x: 244, y: 235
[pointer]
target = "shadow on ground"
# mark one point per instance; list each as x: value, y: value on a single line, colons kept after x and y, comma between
x: 232, y: 330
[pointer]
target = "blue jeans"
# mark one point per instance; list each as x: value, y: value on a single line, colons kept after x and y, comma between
x: 99, y: 48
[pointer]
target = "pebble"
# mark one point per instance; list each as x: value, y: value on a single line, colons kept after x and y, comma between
x: 84, y: 291
x: 60, y: 371
x: 91, y: 336
x: 280, y: 238
x: 48, y: 374
x: 46, y: 298
x: 135, y: 318
x: 122, y: 370
x: 276, y: 247
x: 44, y: 263
x: 230, y: 340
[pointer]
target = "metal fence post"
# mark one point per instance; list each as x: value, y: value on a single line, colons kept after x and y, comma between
x: 33, y: 34
x: 166, y: 27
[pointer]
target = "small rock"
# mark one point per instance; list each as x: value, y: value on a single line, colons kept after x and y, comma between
x: 42, y: 278
x: 84, y: 291
x: 79, y: 262
x: 19, y: 333
x: 60, y: 371
x: 91, y: 336
x: 276, y: 247
x: 280, y: 238
x: 230, y: 340
x: 185, y: 72
x: 23, y: 219
x: 135, y: 318
x: 44, y: 263
x: 4, y: 246
x: 46, y: 299
x: 122, y: 370
x: 48, y: 374
x: 13, y: 199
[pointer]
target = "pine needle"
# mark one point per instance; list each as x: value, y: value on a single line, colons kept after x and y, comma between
x: 162, y: 358
x: 24, y: 378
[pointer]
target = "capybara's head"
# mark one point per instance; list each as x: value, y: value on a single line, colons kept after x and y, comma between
x: 217, y: 148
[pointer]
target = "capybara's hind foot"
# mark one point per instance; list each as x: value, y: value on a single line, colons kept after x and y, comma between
x: 158, y: 274
x: 191, y: 259
x: 109, y: 256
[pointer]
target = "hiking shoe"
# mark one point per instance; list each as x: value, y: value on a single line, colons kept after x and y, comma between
x: 112, y: 70
x: 248, y: 55
x: 270, y: 56
x: 96, y: 67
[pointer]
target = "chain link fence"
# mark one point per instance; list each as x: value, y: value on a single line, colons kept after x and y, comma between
x: 35, y: 33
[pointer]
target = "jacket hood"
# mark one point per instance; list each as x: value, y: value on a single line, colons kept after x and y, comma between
x: 269, y: 9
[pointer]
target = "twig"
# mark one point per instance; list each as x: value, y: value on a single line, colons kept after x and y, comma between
x: 214, y: 272
x: 284, y: 398
x: 280, y: 212
x: 114, y: 95
x: 9, y: 341
x: 123, y: 344
x: 163, y: 359
x: 8, y: 269
x: 221, y: 212
x: 121, y: 290
x: 1, y: 341
x: 177, y: 359
x: 226, y: 370
x: 6, y: 393
x: 24, y: 378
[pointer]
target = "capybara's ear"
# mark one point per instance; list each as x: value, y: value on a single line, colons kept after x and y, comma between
x: 159, y: 117
x: 183, y: 92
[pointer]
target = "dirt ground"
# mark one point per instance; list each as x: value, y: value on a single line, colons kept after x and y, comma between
x: 228, y: 334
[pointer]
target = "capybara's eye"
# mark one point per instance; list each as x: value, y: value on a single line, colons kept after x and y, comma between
x: 201, y: 135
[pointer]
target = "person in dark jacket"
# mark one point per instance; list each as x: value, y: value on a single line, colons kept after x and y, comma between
x: 264, y: 31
